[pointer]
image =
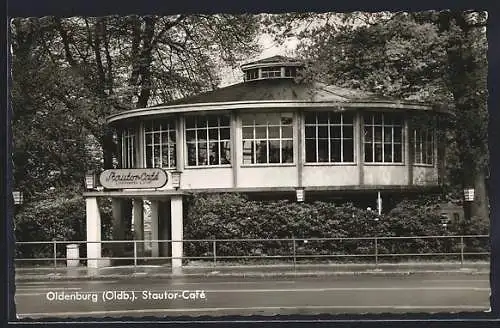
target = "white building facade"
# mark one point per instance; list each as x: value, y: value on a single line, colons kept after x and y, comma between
x: 269, y: 135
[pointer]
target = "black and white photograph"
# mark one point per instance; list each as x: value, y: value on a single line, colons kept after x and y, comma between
x: 219, y: 164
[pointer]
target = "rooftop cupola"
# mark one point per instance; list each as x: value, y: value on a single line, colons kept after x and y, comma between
x: 276, y: 67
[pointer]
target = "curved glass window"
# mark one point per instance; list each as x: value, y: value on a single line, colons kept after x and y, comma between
x: 269, y: 72
x: 208, y: 140
x: 383, y: 138
x: 423, y: 146
x: 128, y: 148
x: 267, y: 138
x: 160, y: 138
x: 329, y: 137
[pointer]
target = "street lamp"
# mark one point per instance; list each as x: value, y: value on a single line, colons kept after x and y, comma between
x: 176, y: 179
x: 90, y: 180
x: 18, y: 197
x: 469, y: 194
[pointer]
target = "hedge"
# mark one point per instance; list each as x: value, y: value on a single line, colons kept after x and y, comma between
x: 231, y: 216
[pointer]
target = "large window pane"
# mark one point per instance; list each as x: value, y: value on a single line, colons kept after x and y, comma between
x: 322, y: 131
x: 368, y: 152
x: 336, y: 132
x: 368, y: 134
x: 423, y: 145
x: 261, y: 151
x: 247, y: 152
x: 190, y: 135
x: 348, y: 132
x: 191, y: 149
x: 311, y: 150
x: 247, y: 133
x: 378, y: 152
x: 213, y: 134
x: 387, y: 153
x: 287, y: 151
x: 387, y: 133
x: 202, y: 153
x: 335, y: 155
x: 260, y: 132
x: 332, y: 130
x: 398, y: 153
x: 323, y: 150
x: 310, y: 132
x: 204, y: 138
x: 225, y: 134
x: 323, y: 117
x: 225, y: 155
x: 274, y: 132
x: 348, y: 151
x: 271, y: 133
x: 274, y: 151
x: 214, y: 153
x: 287, y: 132
x: 159, y: 137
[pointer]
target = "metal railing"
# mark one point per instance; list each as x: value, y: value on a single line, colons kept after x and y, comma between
x: 293, y: 250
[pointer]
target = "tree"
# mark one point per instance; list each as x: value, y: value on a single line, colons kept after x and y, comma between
x: 69, y: 74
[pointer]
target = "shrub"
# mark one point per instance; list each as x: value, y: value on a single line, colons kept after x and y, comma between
x: 231, y: 216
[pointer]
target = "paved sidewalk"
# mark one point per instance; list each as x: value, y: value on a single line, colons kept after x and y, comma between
x: 200, y: 270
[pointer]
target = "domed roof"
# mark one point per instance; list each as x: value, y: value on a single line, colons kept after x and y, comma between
x: 278, y: 89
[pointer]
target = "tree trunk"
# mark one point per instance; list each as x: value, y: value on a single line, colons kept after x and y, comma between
x: 480, y: 205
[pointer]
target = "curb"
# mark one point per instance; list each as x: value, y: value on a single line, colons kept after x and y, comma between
x: 247, y: 275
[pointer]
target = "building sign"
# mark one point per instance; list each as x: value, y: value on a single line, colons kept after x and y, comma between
x: 133, y: 178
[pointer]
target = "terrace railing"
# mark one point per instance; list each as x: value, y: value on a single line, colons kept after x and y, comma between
x: 293, y: 251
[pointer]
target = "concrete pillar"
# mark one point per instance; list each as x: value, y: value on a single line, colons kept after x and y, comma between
x: 154, y: 228
x: 164, y: 227
x: 177, y: 233
x: 118, y: 226
x: 93, y: 231
x: 138, y: 209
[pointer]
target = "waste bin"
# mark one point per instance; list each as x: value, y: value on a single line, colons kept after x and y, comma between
x: 72, y: 255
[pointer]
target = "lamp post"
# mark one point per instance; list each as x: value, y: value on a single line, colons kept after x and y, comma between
x: 468, y: 199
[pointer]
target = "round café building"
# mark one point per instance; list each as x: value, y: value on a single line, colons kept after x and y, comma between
x: 268, y: 136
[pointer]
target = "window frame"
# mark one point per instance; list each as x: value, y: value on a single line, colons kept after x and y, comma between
x: 273, y: 70
x: 267, y: 139
x: 382, y: 142
x: 170, y: 122
x: 129, y: 143
x: 329, y: 125
x: 422, y: 143
x: 207, y: 128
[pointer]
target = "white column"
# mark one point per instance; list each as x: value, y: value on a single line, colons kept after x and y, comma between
x: 154, y: 228
x: 177, y: 233
x: 93, y: 232
x: 139, y: 225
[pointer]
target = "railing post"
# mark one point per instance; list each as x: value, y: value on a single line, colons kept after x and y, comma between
x: 462, y: 251
x: 55, y: 254
x: 294, y: 254
x: 214, y: 246
x: 135, y: 253
x: 376, y: 252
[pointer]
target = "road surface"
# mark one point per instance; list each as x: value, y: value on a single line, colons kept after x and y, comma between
x: 216, y: 296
